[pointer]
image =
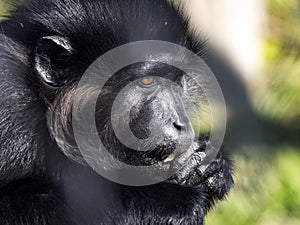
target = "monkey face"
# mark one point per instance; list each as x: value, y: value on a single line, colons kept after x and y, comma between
x: 142, y: 114
x: 149, y: 114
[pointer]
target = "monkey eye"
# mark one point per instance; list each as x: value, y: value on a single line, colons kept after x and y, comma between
x: 148, y: 81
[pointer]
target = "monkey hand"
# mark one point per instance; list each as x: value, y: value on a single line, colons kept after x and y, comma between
x: 215, y: 178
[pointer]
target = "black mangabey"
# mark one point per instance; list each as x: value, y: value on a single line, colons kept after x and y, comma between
x: 45, y: 47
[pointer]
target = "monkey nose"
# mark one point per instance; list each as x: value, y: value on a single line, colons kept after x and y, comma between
x: 178, y: 125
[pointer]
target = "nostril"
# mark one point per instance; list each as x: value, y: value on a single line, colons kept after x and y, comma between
x: 178, y: 125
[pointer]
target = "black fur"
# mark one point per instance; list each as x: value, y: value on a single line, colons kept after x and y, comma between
x: 39, y: 184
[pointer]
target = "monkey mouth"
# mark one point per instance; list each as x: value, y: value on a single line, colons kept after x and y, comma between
x: 165, y: 152
x: 187, y: 164
x: 169, y: 158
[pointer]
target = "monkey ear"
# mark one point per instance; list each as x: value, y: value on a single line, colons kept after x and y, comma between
x: 53, y: 58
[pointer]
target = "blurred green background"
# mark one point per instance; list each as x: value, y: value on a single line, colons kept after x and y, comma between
x: 267, y: 174
x: 267, y: 190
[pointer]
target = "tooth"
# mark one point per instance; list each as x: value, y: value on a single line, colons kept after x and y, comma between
x: 195, y: 146
x: 170, y: 158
